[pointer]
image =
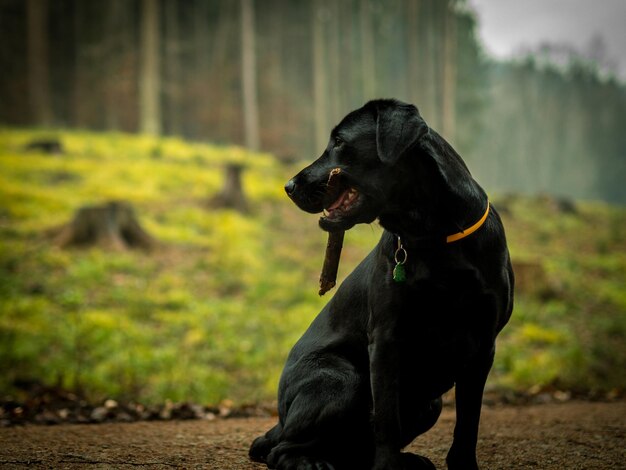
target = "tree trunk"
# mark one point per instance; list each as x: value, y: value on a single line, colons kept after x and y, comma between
x: 173, y: 67
x: 111, y: 226
x: 115, y: 42
x: 150, y: 79
x: 414, y: 62
x: 336, y: 88
x: 203, y: 87
x: 79, y: 114
x: 38, y: 73
x: 248, y: 72
x: 431, y: 51
x: 220, y: 59
x: 368, y: 57
x: 448, y: 105
x: 320, y: 86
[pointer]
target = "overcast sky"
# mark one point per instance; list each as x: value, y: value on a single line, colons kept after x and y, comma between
x: 506, y: 26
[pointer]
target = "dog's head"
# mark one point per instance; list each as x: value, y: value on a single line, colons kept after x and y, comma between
x: 366, y: 147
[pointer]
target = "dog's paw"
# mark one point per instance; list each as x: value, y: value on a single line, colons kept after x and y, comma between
x: 260, y: 449
x: 416, y: 462
x: 301, y: 462
x: 404, y: 461
x: 460, y: 461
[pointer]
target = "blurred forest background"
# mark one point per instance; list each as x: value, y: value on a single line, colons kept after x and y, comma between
x: 290, y: 70
x: 149, y: 101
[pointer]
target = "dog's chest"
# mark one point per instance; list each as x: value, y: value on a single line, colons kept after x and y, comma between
x: 436, y: 338
x: 440, y: 316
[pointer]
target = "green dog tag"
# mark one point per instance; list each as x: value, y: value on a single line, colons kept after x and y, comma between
x: 400, y: 257
x: 398, y: 273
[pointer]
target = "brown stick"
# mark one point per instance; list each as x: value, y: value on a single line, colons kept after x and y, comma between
x: 328, y: 277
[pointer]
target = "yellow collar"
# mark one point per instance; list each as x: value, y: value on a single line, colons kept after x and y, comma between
x: 470, y: 230
x: 400, y: 256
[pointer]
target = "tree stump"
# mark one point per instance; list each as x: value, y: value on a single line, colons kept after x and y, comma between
x: 231, y: 196
x: 50, y: 146
x: 112, y: 226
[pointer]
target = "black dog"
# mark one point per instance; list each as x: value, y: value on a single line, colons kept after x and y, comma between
x: 418, y: 316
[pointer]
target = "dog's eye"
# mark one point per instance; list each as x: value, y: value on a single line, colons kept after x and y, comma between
x: 338, y: 142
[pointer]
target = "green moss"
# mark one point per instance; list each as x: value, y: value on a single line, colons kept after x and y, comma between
x: 212, y: 312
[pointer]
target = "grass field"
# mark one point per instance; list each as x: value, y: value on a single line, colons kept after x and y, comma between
x: 212, y: 311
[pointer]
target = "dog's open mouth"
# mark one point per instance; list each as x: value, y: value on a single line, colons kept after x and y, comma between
x: 343, y: 205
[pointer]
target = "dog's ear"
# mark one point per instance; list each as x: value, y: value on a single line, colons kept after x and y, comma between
x: 398, y: 127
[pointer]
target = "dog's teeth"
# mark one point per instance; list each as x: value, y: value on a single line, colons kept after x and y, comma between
x: 352, y: 195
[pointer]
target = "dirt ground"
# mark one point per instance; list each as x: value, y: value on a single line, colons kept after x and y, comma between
x: 572, y: 435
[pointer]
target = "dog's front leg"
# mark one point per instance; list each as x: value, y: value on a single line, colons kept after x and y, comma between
x: 384, y: 373
x: 469, y: 393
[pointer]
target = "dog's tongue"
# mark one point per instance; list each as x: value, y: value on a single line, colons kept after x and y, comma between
x: 339, y: 201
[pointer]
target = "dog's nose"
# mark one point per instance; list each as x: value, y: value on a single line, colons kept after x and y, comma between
x: 290, y: 187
